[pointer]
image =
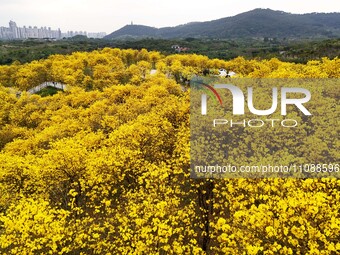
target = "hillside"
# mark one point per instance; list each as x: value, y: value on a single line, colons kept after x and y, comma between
x: 255, y: 23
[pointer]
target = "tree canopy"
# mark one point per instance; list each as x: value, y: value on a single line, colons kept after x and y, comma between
x: 103, y: 167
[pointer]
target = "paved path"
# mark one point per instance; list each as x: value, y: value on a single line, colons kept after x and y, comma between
x: 53, y: 84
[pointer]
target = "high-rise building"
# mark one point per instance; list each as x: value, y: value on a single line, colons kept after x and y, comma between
x: 14, y: 29
x: 14, y: 32
x: 96, y: 35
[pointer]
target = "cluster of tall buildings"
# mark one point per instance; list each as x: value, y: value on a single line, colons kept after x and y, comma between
x: 14, y: 32
x: 96, y: 35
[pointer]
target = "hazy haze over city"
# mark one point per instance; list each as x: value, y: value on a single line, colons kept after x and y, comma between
x: 110, y: 15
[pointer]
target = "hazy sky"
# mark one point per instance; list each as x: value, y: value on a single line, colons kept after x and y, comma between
x: 110, y: 15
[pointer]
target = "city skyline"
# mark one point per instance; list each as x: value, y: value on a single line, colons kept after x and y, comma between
x: 13, y: 32
x: 108, y: 16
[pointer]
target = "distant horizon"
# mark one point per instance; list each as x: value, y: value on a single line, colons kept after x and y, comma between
x: 90, y: 16
x: 132, y: 23
x: 44, y: 26
x: 200, y: 21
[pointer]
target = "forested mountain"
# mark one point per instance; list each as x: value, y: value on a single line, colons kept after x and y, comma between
x: 255, y: 23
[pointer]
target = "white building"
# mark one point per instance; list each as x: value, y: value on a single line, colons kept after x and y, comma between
x: 96, y: 35
x: 14, y: 32
x: 69, y: 34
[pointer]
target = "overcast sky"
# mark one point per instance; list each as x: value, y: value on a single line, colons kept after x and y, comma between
x: 110, y: 15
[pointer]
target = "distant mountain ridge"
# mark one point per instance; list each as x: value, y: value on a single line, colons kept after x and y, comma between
x: 255, y: 23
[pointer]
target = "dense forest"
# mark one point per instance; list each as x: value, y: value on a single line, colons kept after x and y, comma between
x: 297, y: 51
x: 104, y: 166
